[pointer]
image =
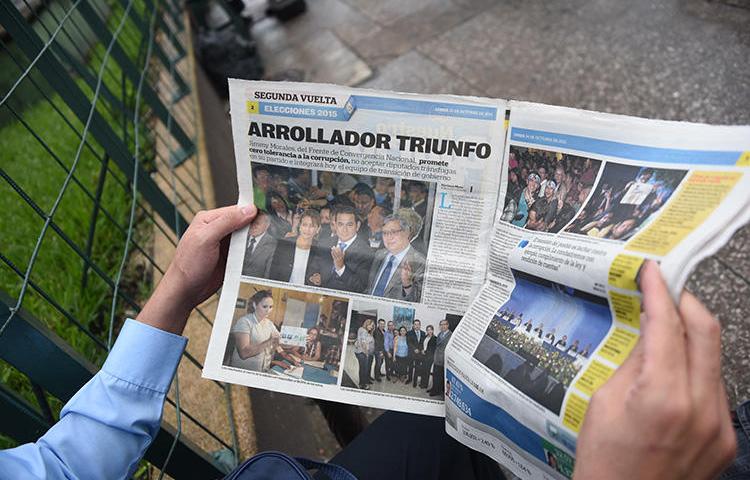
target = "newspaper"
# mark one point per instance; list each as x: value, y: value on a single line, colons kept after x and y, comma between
x: 376, y: 206
x: 585, y: 198
x: 502, y: 256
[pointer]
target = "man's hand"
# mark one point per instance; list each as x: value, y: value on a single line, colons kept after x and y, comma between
x: 338, y: 257
x: 664, y: 413
x: 315, y: 279
x: 197, y: 268
x: 406, y: 274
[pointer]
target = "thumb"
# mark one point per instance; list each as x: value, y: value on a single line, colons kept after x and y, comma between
x: 229, y: 220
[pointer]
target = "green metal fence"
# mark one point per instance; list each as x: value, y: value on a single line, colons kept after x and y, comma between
x: 97, y: 160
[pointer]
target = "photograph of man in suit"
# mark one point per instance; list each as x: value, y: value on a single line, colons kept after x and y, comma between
x: 398, y: 270
x: 428, y: 351
x: 438, y: 371
x: 414, y: 339
x: 418, y: 197
x: 379, y: 335
x: 375, y: 220
x: 259, y: 249
x: 348, y: 265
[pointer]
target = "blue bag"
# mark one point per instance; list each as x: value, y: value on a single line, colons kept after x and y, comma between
x: 279, y: 466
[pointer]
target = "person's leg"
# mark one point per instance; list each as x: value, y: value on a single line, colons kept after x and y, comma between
x: 369, y: 368
x: 409, y: 368
x: 425, y: 380
x: 405, y: 446
x: 388, y: 367
x: 417, y: 371
x: 740, y: 468
x: 363, y: 375
x: 378, y: 365
x: 438, y: 381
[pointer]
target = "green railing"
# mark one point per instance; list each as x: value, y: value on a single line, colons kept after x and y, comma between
x: 99, y: 172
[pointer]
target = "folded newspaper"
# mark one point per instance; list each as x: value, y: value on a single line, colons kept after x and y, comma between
x: 415, y: 248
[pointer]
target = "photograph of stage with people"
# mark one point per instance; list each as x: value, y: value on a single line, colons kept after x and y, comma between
x: 546, y: 189
x: 626, y: 198
x: 287, y: 333
x: 397, y: 350
x: 354, y: 233
x: 541, y: 337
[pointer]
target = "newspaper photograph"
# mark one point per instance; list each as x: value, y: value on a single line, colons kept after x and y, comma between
x: 371, y: 240
x: 585, y: 199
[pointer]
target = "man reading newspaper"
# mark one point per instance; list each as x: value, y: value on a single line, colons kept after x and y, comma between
x: 662, y: 415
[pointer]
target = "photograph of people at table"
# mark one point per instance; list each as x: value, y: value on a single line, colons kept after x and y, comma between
x: 353, y: 233
x: 287, y: 333
x: 397, y: 350
x: 542, y: 336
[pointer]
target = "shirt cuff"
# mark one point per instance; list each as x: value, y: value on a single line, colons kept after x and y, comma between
x: 146, y: 356
x: 341, y: 272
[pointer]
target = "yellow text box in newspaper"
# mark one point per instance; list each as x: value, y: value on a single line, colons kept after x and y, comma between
x: 744, y: 160
x: 594, y: 377
x: 575, y: 410
x: 627, y: 308
x: 618, y: 345
x: 624, y: 270
x: 252, y: 107
x: 701, y: 194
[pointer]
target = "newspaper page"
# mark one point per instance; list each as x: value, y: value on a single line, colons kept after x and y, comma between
x: 585, y: 198
x: 370, y: 244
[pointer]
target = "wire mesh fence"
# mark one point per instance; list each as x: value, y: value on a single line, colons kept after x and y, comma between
x: 100, y: 176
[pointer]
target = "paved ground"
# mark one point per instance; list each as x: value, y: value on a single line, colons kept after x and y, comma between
x: 671, y: 59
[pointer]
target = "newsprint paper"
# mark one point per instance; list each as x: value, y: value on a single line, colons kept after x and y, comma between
x: 415, y: 248
x: 403, y: 189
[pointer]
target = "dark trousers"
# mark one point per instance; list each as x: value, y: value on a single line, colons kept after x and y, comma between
x: 438, y: 379
x: 401, y: 365
x: 415, y: 366
x: 390, y: 368
x: 364, y: 368
x: 404, y: 443
x: 425, y: 373
x: 740, y: 468
x: 379, y: 358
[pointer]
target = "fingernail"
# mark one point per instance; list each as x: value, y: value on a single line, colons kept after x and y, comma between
x: 248, y: 210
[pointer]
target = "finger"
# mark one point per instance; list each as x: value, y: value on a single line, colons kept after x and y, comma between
x: 663, y: 331
x: 703, y: 347
x: 208, y: 216
x: 229, y: 219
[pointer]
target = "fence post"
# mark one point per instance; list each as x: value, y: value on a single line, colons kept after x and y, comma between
x: 100, y: 29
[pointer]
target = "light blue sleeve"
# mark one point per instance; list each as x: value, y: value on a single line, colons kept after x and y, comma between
x: 106, y: 427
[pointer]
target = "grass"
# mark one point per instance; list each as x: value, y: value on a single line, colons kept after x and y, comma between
x: 58, y: 270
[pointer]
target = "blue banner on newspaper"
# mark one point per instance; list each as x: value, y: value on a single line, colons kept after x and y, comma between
x: 493, y: 416
x: 298, y: 110
x: 424, y: 108
x: 360, y: 102
x: 624, y: 150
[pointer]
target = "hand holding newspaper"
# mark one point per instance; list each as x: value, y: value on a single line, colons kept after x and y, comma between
x: 415, y: 246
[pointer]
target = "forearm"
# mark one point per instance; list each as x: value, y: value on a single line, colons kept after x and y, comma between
x: 252, y: 349
x: 113, y: 418
x: 166, y: 309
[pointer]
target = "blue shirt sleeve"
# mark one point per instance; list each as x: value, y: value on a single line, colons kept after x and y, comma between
x: 106, y: 427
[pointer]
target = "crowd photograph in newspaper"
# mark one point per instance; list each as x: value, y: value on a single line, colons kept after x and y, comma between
x: 353, y: 233
x: 545, y: 188
x: 397, y: 350
x: 626, y: 198
x: 288, y: 333
x: 542, y: 336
